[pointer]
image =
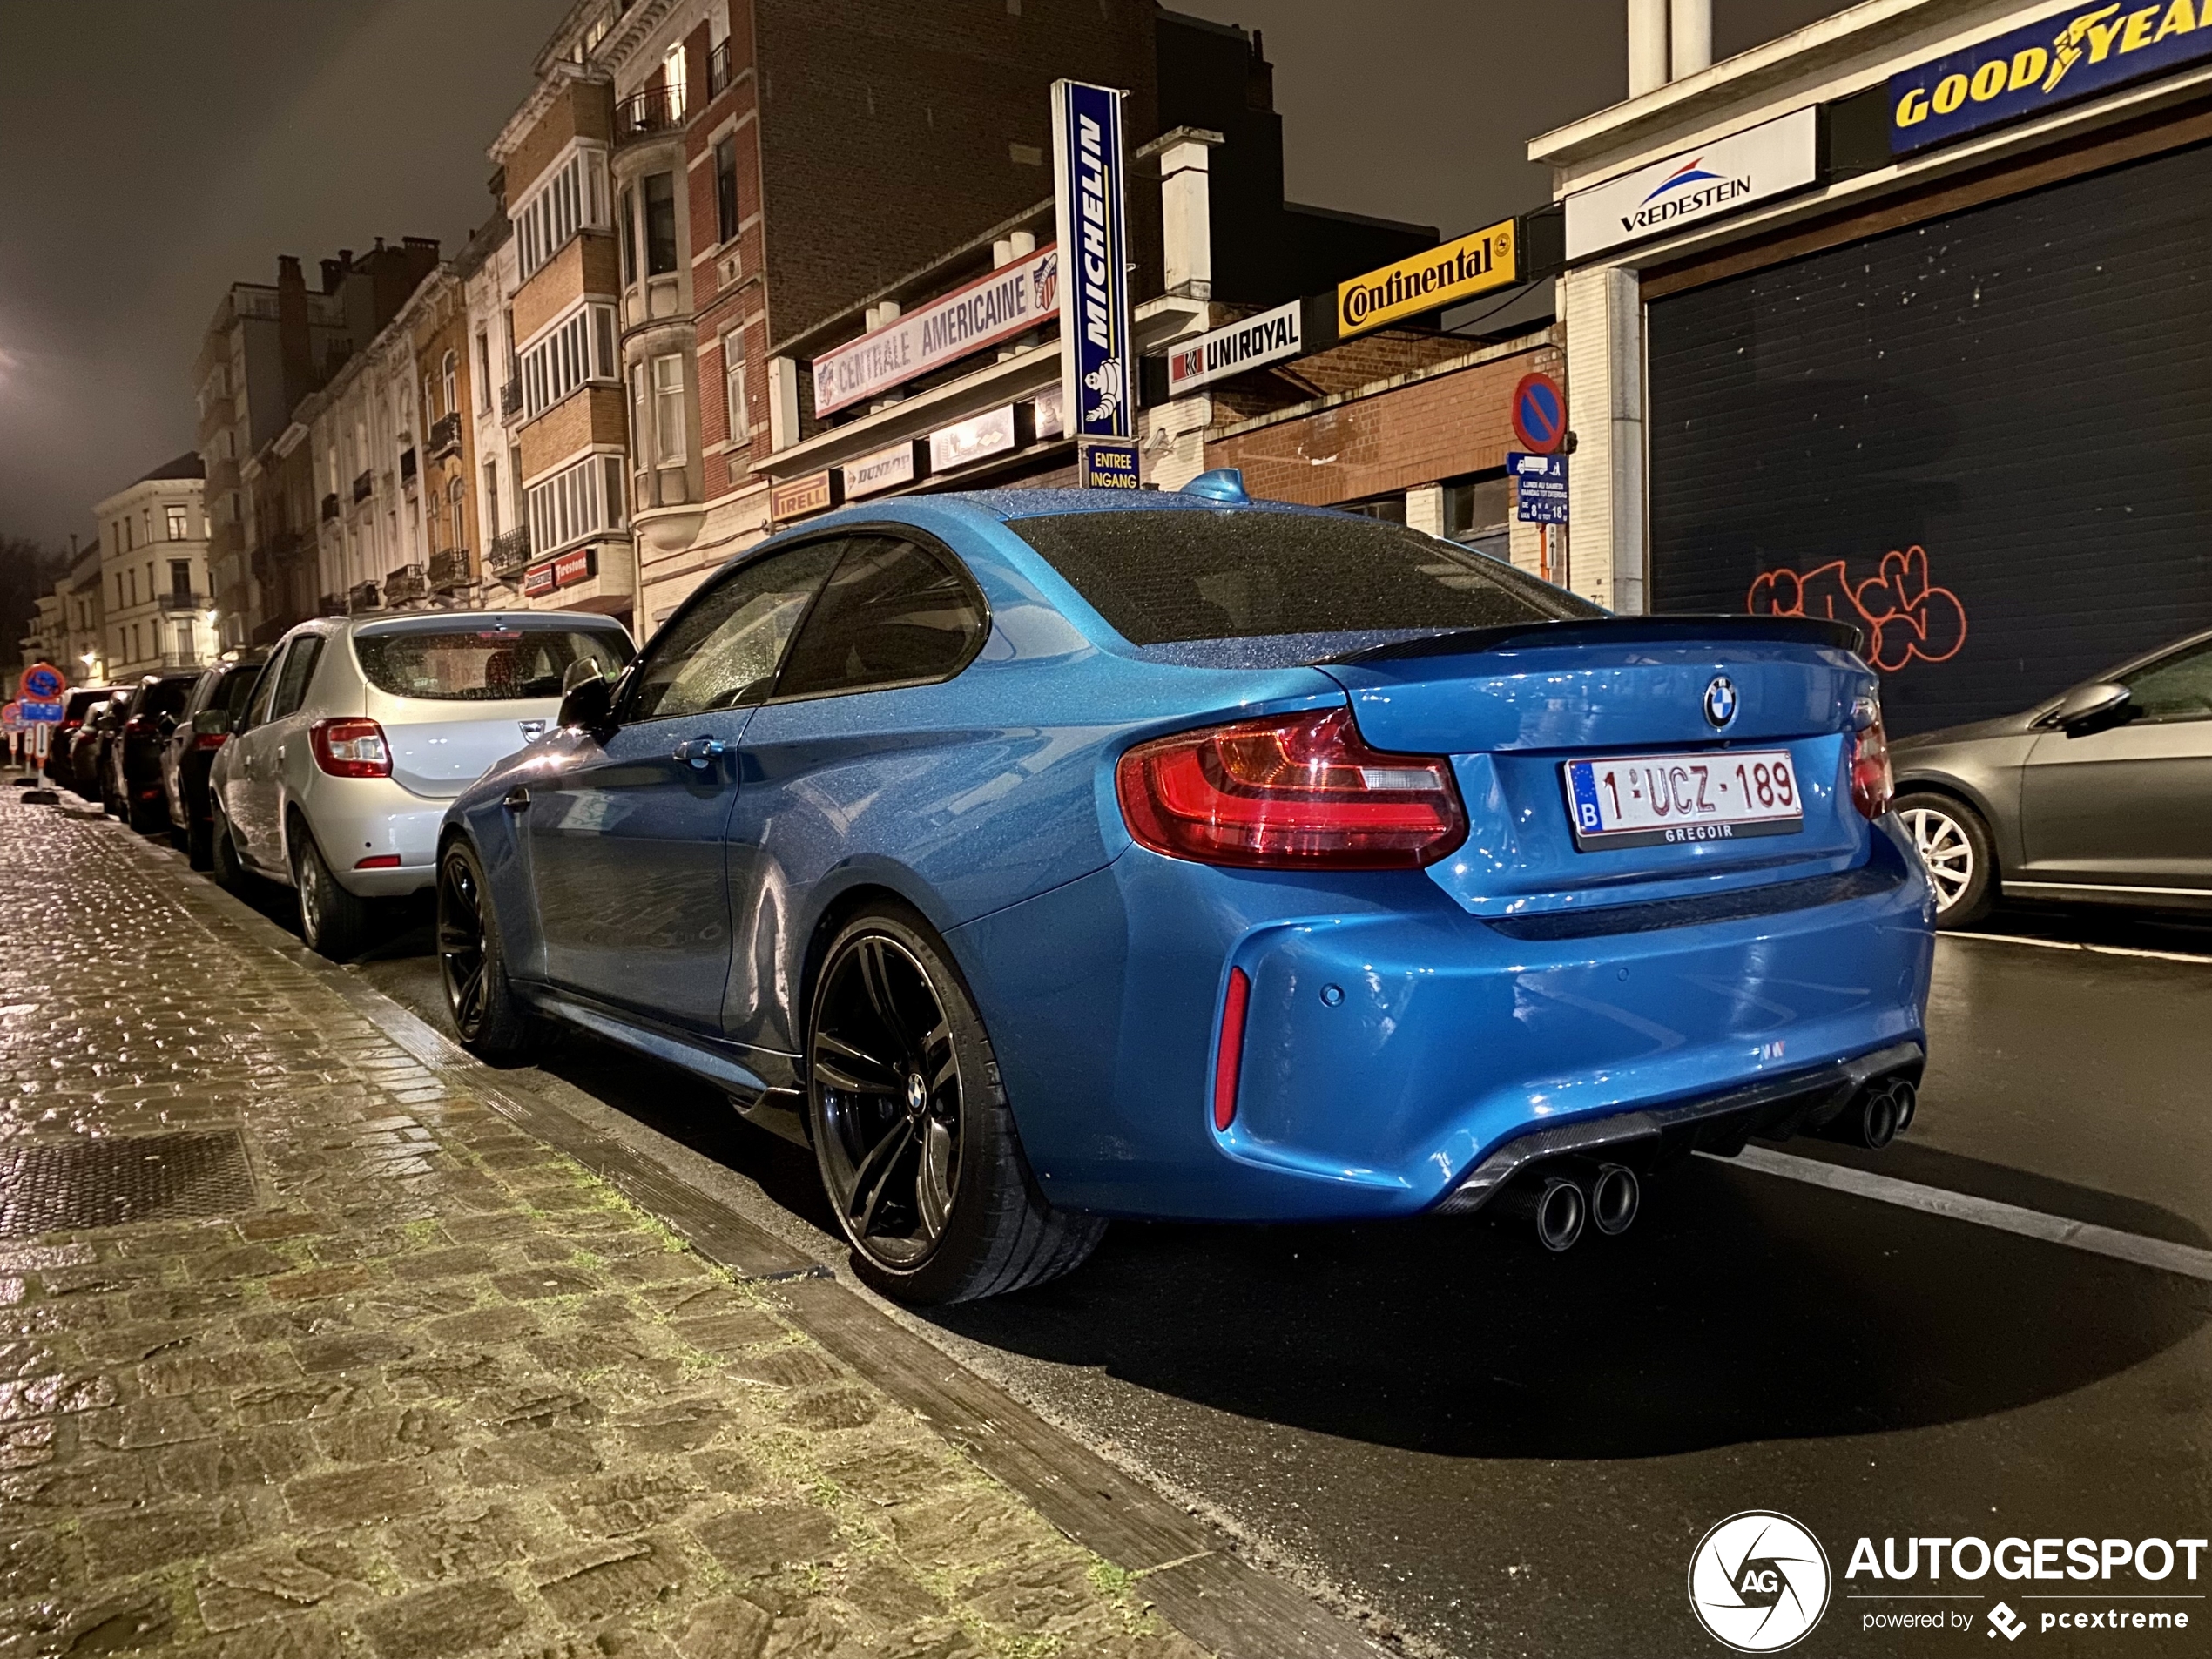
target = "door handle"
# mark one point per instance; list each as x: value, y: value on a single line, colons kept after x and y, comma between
x: 700, y: 752
x: 516, y: 800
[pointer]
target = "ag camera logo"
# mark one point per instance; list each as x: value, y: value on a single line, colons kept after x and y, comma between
x: 1758, y: 1582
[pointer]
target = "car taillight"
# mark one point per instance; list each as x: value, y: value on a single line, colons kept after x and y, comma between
x: 1295, y: 791
x: 211, y: 740
x: 136, y: 726
x: 350, y: 748
x: 1872, y: 784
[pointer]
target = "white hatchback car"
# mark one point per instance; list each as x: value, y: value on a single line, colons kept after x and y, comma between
x: 361, y: 729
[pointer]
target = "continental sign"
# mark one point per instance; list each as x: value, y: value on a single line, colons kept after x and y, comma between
x: 2069, y: 55
x: 1439, y: 276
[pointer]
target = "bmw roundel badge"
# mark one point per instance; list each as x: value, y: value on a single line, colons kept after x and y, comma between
x: 1720, y: 701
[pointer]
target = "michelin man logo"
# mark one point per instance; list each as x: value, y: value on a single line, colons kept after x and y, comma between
x: 1758, y: 1582
x: 1106, y: 381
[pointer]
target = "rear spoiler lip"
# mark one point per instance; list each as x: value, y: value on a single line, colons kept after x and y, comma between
x: 1577, y: 631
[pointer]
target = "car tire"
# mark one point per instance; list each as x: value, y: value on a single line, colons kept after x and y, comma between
x: 912, y: 1132
x: 335, y: 923
x: 1956, y: 850
x: 145, y: 816
x: 224, y: 858
x: 198, y: 840
x: 472, y: 967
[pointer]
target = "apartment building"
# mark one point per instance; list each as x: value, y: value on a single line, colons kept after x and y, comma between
x: 153, y: 571
x: 438, y: 322
x: 572, y: 435
x: 269, y: 346
x: 489, y: 277
x: 83, y: 639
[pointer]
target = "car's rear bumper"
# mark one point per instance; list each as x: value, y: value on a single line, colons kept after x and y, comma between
x: 354, y: 818
x: 1393, y: 1043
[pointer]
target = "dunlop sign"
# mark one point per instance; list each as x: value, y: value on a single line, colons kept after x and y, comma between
x: 1439, y: 276
x: 2069, y: 55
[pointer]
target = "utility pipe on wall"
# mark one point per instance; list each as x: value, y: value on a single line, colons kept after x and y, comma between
x: 1692, y: 37
x: 1646, y: 46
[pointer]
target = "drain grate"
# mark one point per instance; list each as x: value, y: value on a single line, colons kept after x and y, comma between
x: 111, y: 1183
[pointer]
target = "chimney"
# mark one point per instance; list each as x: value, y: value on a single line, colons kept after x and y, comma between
x: 292, y: 331
x: 331, y: 271
x: 1691, y: 47
x: 1664, y: 47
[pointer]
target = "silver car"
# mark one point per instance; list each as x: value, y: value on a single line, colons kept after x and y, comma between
x: 360, y: 730
x: 2102, y: 793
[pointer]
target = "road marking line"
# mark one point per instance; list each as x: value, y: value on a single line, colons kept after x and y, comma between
x: 2100, y: 950
x: 2167, y: 1258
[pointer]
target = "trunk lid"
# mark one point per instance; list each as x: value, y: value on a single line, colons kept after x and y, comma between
x: 1512, y: 707
x: 438, y: 749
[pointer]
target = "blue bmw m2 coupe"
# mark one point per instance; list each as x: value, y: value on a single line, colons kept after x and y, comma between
x: 1039, y: 857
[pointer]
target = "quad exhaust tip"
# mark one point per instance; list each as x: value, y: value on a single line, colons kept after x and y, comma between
x: 1616, y: 1196
x: 1877, y: 1117
x: 1557, y: 1204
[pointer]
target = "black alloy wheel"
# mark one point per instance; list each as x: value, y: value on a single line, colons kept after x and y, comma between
x: 911, y: 1129
x: 889, y: 1086
x: 472, y: 965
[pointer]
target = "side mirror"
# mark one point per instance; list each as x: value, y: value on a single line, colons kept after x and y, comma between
x: 212, y: 723
x: 165, y: 723
x: 587, y: 702
x: 2089, y: 708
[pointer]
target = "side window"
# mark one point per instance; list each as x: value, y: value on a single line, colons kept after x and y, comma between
x: 895, y: 612
x: 721, y: 652
x: 263, y: 688
x: 298, y: 669
x: 237, y: 686
x: 2175, y: 688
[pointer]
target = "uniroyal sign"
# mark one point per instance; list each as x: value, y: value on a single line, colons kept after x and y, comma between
x: 1012, y: 299
x: 1268, y: 338
x: 1724, y: 177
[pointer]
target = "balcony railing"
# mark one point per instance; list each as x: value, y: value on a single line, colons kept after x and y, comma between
x: 717, y: 71
x: 509, y: 551
x: 404, y: 584
x: 361, y: 596
x: 363, y: 484
x: 330, y: 505
x: 658, y: 108
x: 445, y: 434
x: 450, y: 570
x: 183, y: 600
x: 510, y: 400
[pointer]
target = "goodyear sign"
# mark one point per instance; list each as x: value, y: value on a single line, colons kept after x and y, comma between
x: 2069, y: 55
x: 1443, y: 275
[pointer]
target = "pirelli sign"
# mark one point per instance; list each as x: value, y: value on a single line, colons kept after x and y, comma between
x: 1443, y: 275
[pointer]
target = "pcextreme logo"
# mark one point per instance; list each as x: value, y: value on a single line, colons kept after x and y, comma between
x: 1758, y: 1582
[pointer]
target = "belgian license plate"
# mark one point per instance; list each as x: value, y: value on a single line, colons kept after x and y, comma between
x: 1648, y: 800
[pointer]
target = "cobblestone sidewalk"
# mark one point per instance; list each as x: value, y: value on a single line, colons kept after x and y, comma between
x: 431, y: 1388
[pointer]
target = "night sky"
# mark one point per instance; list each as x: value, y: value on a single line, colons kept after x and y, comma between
x: 153, y: 152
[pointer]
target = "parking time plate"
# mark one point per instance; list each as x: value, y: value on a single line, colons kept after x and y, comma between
x: 1650, y: 800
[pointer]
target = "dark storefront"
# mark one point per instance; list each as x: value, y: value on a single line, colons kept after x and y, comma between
x: 1985, y: 436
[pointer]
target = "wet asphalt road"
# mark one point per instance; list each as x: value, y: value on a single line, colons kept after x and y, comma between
x: 1505, y: 1452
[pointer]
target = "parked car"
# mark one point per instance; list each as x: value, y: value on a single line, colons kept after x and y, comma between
x: 2099, y: 795
x: 202, y: 726
x: 360, y: 731
x: 59, y: 769
x: 131, y: 784
x: 1044, y: 856
x: 88, y: 748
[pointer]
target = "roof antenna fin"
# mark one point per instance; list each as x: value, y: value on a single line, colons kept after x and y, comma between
x: 1224, y: 484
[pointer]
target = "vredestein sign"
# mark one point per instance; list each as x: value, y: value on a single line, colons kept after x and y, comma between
x: 1097, y: 385
x: 1726, y: 176
x: 1443, y: 275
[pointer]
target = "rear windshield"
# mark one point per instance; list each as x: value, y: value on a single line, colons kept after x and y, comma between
x: 485, y: 665
x: 237, y: 686
x: 165, y: 697
x: 1163, y: 577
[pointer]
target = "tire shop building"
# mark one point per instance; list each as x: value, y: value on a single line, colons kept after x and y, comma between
x: 1904, y: 319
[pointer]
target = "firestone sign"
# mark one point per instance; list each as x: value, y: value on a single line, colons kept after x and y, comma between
x: 1726, y: 176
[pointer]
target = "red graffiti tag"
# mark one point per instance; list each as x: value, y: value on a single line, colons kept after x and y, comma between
x: 1903, y: 614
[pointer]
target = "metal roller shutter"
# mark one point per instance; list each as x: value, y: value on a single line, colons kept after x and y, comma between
x: 1988, y: 436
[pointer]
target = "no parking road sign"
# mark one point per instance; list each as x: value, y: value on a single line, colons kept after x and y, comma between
x: 41, y: 683
x: 1540, y: 413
